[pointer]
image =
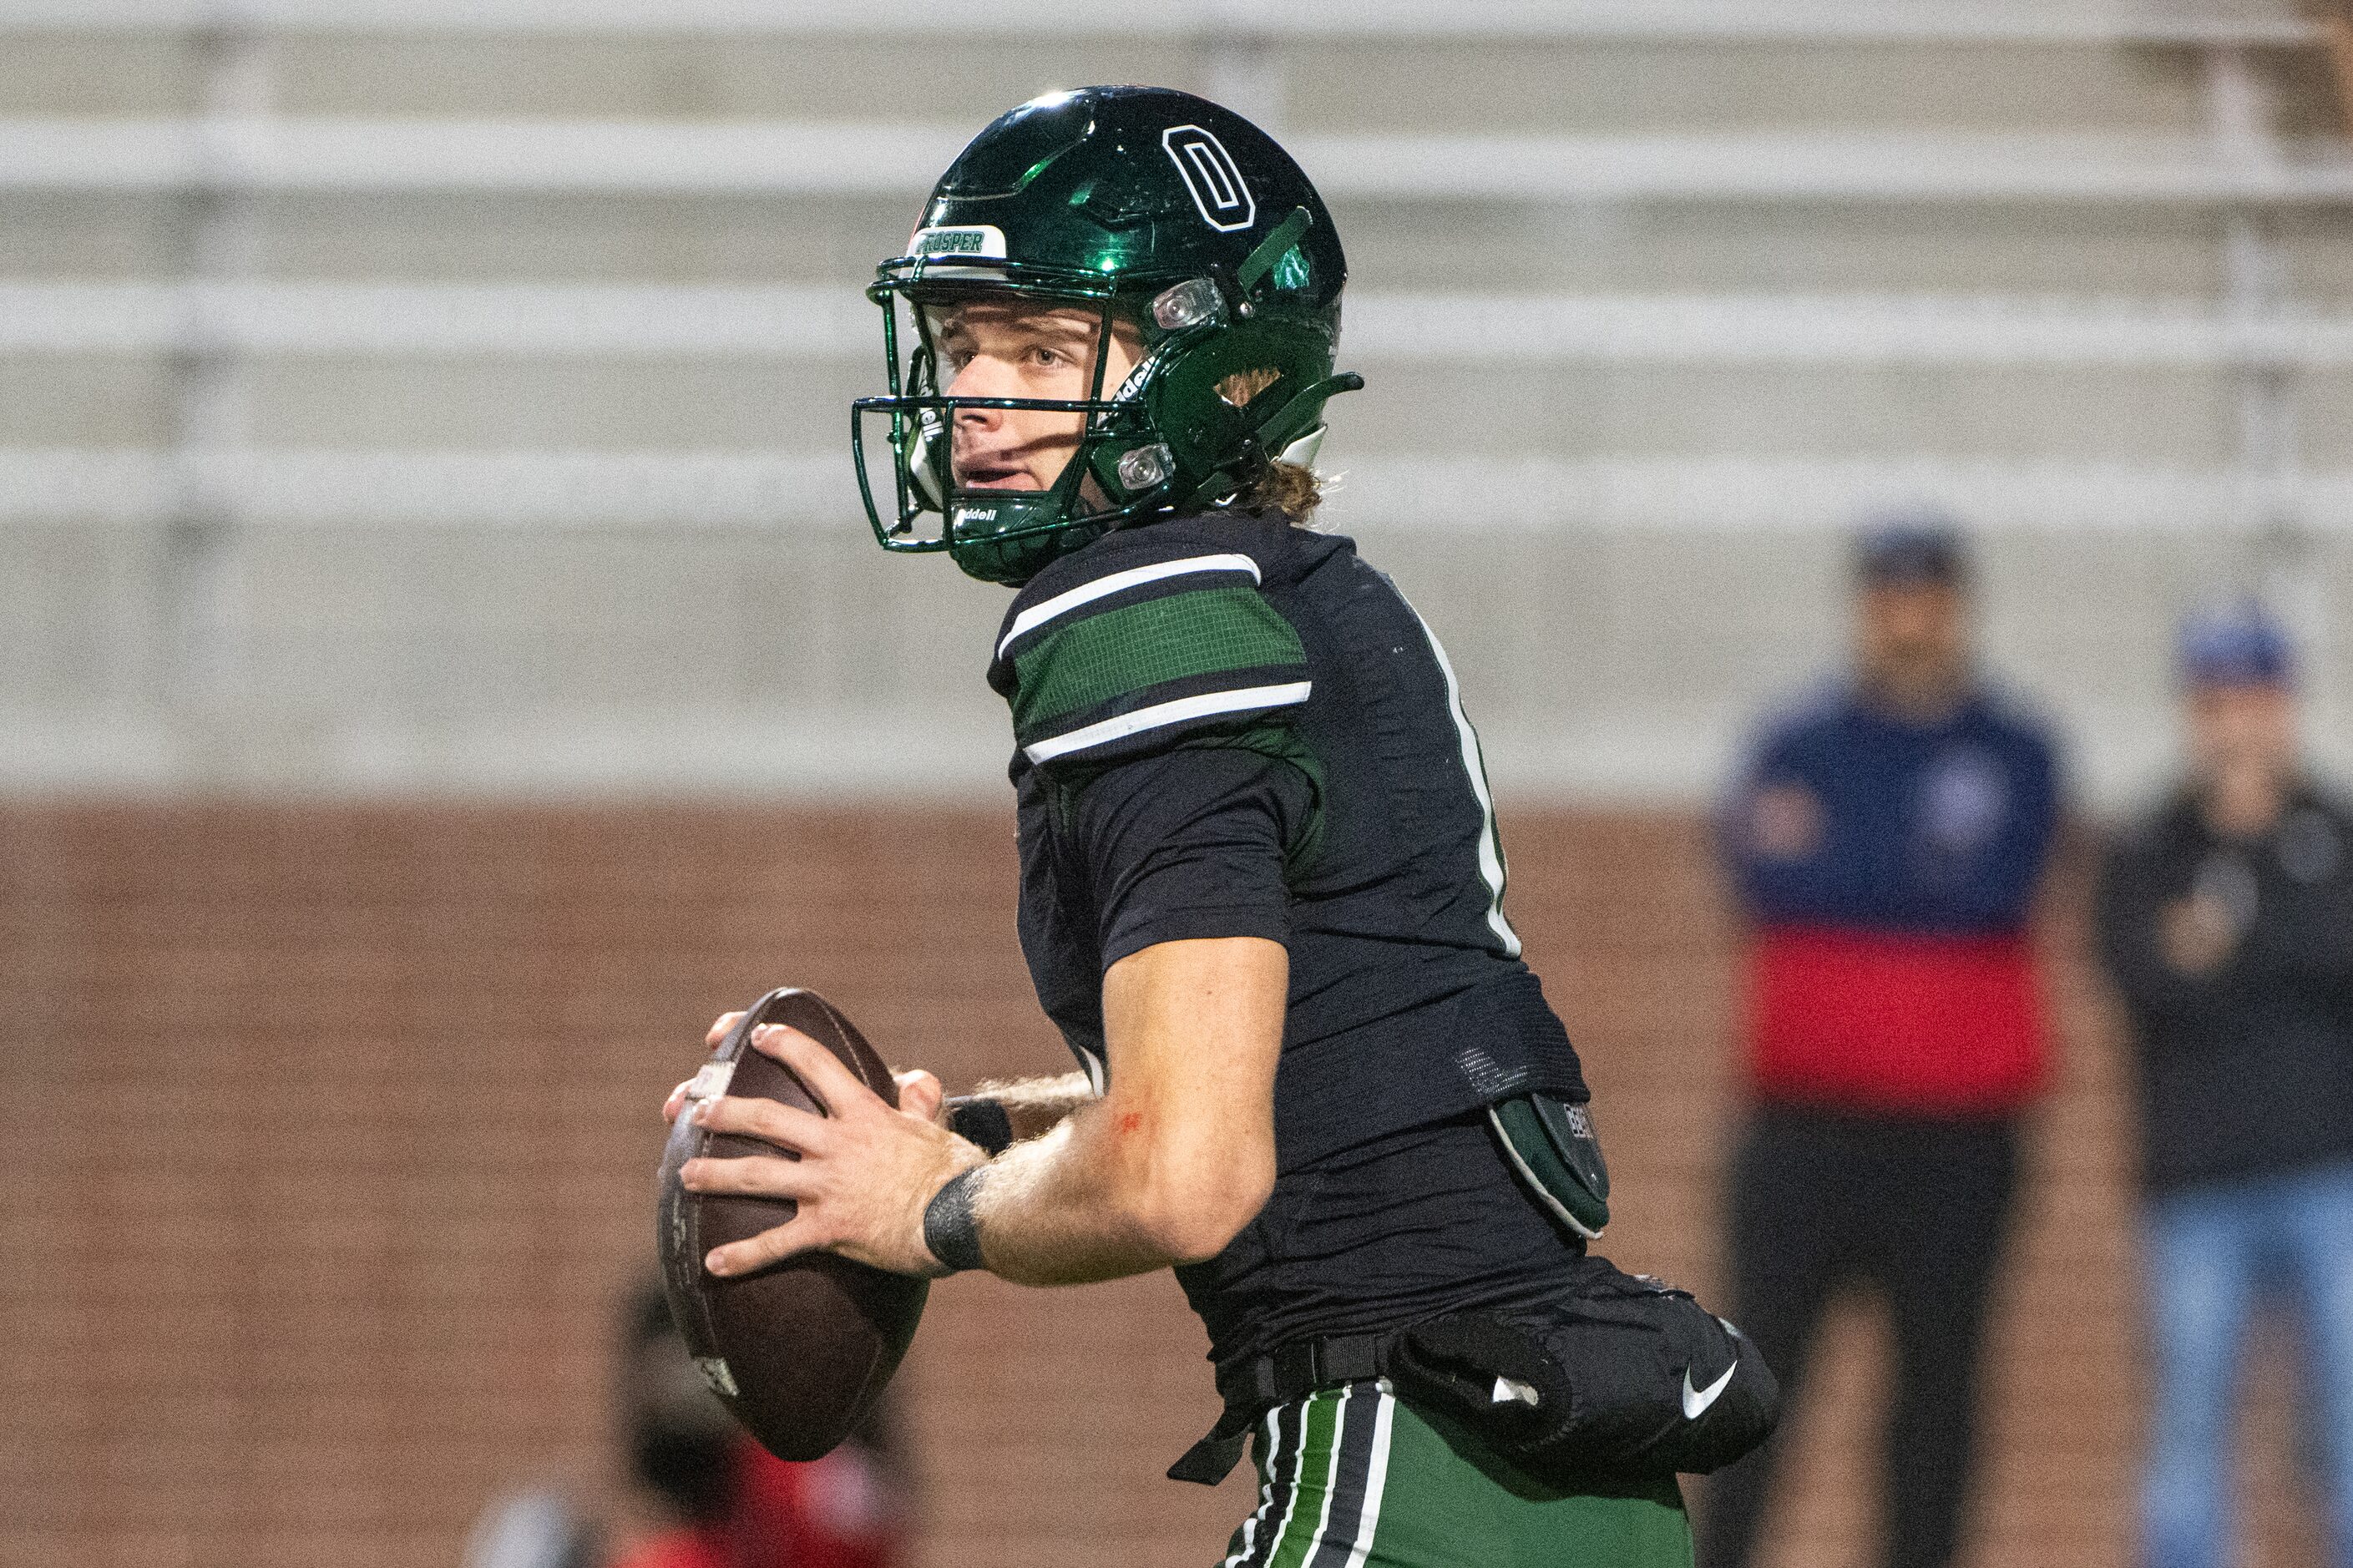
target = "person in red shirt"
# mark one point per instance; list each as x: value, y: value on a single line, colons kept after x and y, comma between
x: 1886, y: 840
x: 827, y: 1513
x: 733, y: 1504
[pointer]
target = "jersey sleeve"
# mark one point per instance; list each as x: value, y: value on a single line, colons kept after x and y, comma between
x: 1191, y: 843
x: 1141, y: 656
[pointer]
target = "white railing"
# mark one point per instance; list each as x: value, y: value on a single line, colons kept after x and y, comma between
x: 898, y: 161
x: 547, y: 320
x: 799, y: 491
x: 1931, y: 21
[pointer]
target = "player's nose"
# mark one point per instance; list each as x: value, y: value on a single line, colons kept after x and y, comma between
x: 982, y: 375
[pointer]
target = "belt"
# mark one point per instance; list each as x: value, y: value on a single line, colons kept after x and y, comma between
x: 1289, y: 1371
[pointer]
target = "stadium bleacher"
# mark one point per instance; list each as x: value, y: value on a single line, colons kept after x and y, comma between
x: 412, y: 383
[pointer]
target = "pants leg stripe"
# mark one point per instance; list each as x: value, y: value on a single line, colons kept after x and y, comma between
x: 1376, y: 1475
x: 1326, y: 1414
x: 1334, y: 1442
x: 1344, y: 1516
x: 1283, y: 1429
x: 1306, y: 1452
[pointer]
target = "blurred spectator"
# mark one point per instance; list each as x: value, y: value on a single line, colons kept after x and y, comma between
x: 1886, y: 841
x: 534, y: 1529
x: 734, y: 1504
x: 2226, y: 922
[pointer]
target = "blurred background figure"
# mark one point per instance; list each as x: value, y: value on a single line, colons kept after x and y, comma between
x: 534, y: 1528
x: 730, y: 1502
x: 2226, y: 923
x: 1886, y: 840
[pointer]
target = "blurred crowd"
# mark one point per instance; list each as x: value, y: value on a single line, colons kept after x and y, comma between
x: 1887, y: 838
x: 703, y: 1493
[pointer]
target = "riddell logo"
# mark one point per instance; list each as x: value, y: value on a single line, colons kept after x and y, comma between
x: 973, y: 514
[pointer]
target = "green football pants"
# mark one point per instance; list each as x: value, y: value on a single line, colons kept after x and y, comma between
x: 1355, y: 1477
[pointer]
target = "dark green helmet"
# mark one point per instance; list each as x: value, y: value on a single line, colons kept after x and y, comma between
x: 1162, y: 210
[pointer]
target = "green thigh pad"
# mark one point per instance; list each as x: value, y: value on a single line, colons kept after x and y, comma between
x: 1355, y: 1477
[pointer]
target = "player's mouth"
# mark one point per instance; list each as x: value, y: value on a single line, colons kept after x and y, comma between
x: 986, y: 473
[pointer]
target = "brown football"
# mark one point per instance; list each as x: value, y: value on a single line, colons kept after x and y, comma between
x: 798, y: 1351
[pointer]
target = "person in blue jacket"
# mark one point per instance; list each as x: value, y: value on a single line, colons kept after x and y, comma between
x: 1885, y: 841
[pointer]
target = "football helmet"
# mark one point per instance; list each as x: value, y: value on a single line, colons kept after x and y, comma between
x: 1149, y: 206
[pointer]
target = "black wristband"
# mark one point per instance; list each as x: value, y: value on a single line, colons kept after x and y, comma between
x: 976, y: 1119
x: 949, y: 1229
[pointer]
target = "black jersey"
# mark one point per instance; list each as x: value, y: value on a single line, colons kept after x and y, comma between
x: 1229, y: 726
x: 2246, y: 1070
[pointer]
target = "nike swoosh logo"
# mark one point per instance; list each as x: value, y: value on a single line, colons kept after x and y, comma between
x: 1697, y: 1400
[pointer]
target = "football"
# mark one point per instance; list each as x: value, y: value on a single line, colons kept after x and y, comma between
x: 798, y: 1351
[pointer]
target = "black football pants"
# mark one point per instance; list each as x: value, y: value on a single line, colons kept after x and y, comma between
x: 1915, y: 1210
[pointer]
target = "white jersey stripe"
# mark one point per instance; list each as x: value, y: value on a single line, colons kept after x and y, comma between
x: 1369, y: 1522
x: 1490, y: 848
x: 1176, y: 711
x: 1038, y: 615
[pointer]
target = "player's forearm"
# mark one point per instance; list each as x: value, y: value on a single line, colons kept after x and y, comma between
x: 1041, y: 1222
x: 1035, y: 1105
x: 1178, y: 1157
x: 1098, y: 1198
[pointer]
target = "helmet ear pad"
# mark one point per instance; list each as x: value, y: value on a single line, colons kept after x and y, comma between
x: 924, y: 451
x: 1187, y: 390
x: 929, y: 457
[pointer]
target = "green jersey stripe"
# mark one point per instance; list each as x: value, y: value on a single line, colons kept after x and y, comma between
x: 1105, y: 655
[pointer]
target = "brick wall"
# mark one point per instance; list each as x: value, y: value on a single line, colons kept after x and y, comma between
x: 330, y: 1134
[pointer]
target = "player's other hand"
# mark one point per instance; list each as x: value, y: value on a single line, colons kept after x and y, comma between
x: 677, y: 1101
x: 861, y: 1174
x: 920, y: 1092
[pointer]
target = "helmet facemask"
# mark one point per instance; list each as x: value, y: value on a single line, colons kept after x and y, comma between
x: 993, y: 533
x: 1214, y: 395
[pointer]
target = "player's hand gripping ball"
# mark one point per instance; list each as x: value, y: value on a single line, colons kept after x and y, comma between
x: 799, y: 1350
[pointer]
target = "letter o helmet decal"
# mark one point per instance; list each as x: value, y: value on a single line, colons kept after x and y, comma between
x: 1210, y: 172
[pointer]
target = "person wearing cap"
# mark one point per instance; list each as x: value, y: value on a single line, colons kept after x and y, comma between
x: 2225, y: 921
x: 1885, y: 841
